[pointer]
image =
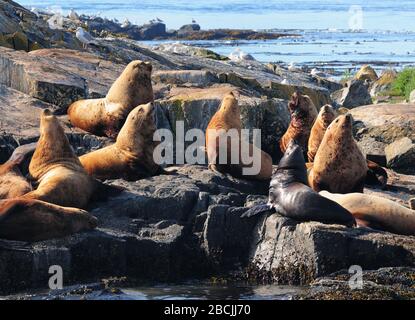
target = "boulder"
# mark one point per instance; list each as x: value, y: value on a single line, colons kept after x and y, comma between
x: 188, y: 28
x: 152, y: 31
x: 366, y: 72
x: 384, y: 83
x: 377, y: 126
x: 286, y: 251
x: 354, y: 94
x: 401, y: 154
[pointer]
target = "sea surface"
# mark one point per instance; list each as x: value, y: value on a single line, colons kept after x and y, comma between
x: 338, y: 35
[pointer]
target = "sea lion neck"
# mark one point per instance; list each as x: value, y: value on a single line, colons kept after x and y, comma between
x: 292, y: 166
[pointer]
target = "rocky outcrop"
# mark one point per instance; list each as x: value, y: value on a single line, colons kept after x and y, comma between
x: 381, y: 284
x: 384, y: 83
x: 188, y: 28
x: 354, y: 94
x: 401, y: 155
x: 377, y: 126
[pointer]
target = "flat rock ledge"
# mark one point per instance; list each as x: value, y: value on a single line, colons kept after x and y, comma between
x: 186, y: 226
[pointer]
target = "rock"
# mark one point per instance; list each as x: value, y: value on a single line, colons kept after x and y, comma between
x: 40, y: 78
x: 152, y: 31
x: 354, y: 94
x: 412, y: 97
x: 200, y: 78
x: 289, y: 252
x: 382, y: 124
x: 188, y: 28
x: 366, y: 72
x: 382, y: 284
x: 384, y: 83
x: 401, y: 154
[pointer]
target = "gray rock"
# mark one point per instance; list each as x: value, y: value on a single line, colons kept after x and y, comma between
x: 188, y: 28
x: 198, y: 78
x: 354, y: 94
x: 289, y: 252
x: 401, y: 154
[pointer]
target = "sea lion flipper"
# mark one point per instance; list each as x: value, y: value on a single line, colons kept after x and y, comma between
x: 22, y: 152
x: 256, y: 210
x: 376, y: 175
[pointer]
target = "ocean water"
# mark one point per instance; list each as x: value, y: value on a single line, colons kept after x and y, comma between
x: 334, y: 35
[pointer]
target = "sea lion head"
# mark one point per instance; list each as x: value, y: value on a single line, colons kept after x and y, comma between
x: 139, y: 126
x: 326, y: 115
x: 230, y: 110
x: 293, y: 157
x: 341, y: 128
x: 302, y: 110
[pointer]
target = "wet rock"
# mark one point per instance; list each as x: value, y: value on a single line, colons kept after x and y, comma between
x: 354, y: 94
x: 152, y: 31
x: 401, y: 154
x: 366, y: 72
x: 289, y: 252
x: 382, y: 284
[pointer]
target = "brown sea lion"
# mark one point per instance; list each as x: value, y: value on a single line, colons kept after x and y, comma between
x: 290, y: 196
x: 376, y: 212
x: 224, y: 132
x: 35, y: 220
x: 339, y: 165
x: 326, y: 115
x: 131, y: 156
x: 57, y: 171
x: 106, y: 116
x: 12, y: 182
x: 303, y: 114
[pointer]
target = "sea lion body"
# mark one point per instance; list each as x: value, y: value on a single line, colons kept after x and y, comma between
x: 131, y: 156
x: 12, y: 182
x: 339, y: 165
x: 376, y: 212
x: 225, y: 120
x: 57, y: 171
x: 34, y: 220
x: 107, y: 115
x: 290, y: 196
x: 303, y: 114
x: 326, y: 115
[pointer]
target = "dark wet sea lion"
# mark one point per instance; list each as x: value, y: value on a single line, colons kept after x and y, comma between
x: 290, y: 196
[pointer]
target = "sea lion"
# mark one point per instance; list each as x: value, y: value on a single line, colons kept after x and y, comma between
x: 290, y: 196
x: 303, y: 114
x: 131, y: 156
x: 339, y: 165
x: 376, y: 175
x: 326, y: 115
x: 223, y: 122
x: 376, y: 212
x: 106, y: 116
x: 12, y: 182
x: 34, y: 220
x: 56, y: 169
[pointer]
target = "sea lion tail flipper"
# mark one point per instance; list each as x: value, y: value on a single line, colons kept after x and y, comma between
x: 256, y: 210
x: 376, y: 175
x: 104, y: 191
